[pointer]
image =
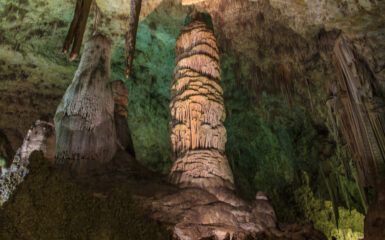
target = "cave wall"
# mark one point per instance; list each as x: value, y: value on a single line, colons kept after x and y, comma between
x: 277, y: 72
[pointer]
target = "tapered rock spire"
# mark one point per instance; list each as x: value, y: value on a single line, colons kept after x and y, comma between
x: 84, y: 120
x: 197, y: 109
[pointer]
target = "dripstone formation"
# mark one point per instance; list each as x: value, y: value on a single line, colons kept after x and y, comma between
x: 197, y: 109
x: 204, y: 206
x: 84, y: 120
x: 40, y: 137
x: 360, y: 109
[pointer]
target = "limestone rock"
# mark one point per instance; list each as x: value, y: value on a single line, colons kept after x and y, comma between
x: 361, y: 111
x: 84, y: 120
x: 197, y: 214
x: 205, y: 206
x: 304, y: 15
x: 40, y: 137
x: 123, y: 133
x: 197, y: 110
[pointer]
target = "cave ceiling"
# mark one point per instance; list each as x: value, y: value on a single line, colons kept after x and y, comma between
x: 282, y: 46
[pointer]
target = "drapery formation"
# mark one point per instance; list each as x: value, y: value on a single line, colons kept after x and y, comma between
x: 197, y: 133
x: 361, y: 112
x: 360, y: 109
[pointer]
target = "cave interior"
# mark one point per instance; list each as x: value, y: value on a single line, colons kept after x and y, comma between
x: 192, y: 119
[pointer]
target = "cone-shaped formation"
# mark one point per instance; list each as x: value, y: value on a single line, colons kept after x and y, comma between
x: 197, y: 109
x: 84, y: 120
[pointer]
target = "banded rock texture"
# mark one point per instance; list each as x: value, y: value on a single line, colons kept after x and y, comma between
x: 197, y: 109
x: 84, y: 120
x: 360, y: 108
x: 40, y: 137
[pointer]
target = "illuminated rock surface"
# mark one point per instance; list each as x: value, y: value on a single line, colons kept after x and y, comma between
x: 197, y: 133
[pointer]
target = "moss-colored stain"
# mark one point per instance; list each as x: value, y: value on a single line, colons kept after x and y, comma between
x: 48, y: 206
x: 321, y: 213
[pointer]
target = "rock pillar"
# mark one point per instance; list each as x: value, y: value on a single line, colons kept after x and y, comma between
x: 84, y: 120
x: 197, y: 111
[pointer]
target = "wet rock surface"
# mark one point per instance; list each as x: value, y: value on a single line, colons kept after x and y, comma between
x: 197, y: 110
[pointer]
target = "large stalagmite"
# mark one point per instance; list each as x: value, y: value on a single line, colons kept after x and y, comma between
x: 197, y: 109
x: 84, y: 120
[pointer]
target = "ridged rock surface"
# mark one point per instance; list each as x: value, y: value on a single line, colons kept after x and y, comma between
x: 84, y: 120
x: 360, y: 108
x: 40, y: 137
x: 197, y: 110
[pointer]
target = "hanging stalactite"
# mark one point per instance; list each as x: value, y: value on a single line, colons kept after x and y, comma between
x: 131, y: 34
x: 78, y: 26
x: 361, y: 114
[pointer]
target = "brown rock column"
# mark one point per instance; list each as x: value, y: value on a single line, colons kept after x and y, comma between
x: 84, y: 120
x: 40, y: 137
x: 197, y: 110
x: 123, y: 133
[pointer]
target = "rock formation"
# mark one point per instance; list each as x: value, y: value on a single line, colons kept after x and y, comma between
x: 40, y: 137
x: 362, y: 112
x: 84, y: 120
x: 123, y: 133
x: 197, y: 133
x: 360, y: 108
x: 205, y: 205
x: 135, y: 6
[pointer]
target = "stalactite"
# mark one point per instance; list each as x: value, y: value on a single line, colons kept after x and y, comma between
x: 282, y: 81
x: 131, y: 34
x: 197, y: 132
x: 78, y: 26
x: 361, y: 113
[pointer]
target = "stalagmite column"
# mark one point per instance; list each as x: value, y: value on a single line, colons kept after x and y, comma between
x: 197, y: 109
x: 84, y: 120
